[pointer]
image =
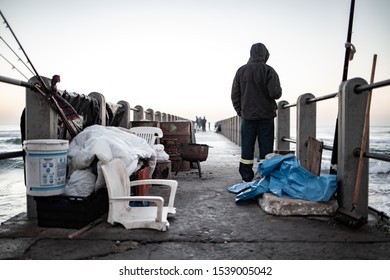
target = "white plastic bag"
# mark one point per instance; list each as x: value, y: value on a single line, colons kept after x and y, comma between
x: 160, y: 151
x: 81, y: 183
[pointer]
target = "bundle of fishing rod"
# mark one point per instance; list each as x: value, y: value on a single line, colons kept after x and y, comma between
x: 67, y: 114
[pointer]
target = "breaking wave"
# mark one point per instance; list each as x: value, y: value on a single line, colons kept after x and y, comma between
x: 379, y: 167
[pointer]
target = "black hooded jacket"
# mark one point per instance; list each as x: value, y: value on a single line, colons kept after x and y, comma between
x: 256, y: 86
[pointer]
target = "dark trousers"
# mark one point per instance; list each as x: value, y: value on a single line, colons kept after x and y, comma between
x: 263, y: 131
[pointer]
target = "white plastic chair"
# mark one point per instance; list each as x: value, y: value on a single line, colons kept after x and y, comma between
x: 149, y: 133
x: 120, y: 211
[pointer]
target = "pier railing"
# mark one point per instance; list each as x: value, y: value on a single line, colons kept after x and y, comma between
x: 37, y: 109
x: 352, y: 100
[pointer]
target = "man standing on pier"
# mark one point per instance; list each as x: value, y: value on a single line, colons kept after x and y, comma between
x: 255, y: 88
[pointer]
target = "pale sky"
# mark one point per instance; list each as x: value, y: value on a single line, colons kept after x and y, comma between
x: 180, y: 57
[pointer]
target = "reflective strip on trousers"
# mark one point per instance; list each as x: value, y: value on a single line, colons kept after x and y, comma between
x: 246, y: 161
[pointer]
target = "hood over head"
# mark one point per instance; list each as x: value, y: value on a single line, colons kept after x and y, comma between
x: 259, y: 53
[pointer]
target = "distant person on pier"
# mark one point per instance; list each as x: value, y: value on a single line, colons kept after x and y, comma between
x: 198, y: 123
x: 204, y: 121
x: 255, y: 88
x: 217, y: 127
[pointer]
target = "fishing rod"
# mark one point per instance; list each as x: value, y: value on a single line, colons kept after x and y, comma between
x: 349, y: 48
x: 19, y: 59
x: 13, y: 66
x: 51, y: 93
x: 349, y: 51
x: 22, y: 49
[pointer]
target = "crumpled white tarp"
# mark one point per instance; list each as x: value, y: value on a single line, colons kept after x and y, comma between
x: 105, y: 144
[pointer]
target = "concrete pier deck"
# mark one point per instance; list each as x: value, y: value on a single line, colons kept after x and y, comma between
x: 208, y: 225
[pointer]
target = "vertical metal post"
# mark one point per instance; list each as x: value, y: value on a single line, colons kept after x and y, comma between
x: 306, y: 125
x: 352, y: 108
x: 41, y: 123
x: 282, y: 127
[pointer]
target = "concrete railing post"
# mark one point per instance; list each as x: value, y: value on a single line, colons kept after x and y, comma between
x: 138, y: 113
x: 102, y: 106
x: 125, y: 121
x: 41, y: 123
x: 230, y: 130
x: 306, y: 125
x: 282, y: 127
x: 226, y: 128
x: 163, y: 117
x: 158, y: 116
x: 237, y: 129
x: 352, y: 108
x: 41, y: 119
x: 149, y: 114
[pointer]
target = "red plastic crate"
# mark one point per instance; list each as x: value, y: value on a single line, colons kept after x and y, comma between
x: 141, y: 174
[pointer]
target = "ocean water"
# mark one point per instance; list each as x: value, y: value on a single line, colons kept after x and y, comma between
x: 13, y: 190
x: 379, y: 171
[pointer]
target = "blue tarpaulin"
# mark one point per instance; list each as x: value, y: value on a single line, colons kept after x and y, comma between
x: 285, y: 177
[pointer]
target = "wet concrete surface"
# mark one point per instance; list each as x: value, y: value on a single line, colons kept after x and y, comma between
x: 208, y: 225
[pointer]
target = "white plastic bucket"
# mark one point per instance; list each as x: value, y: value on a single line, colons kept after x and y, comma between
x: 46, y: 162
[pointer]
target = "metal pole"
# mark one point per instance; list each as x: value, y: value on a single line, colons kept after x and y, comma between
x: 347, y: 46
x: 16, y: 82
